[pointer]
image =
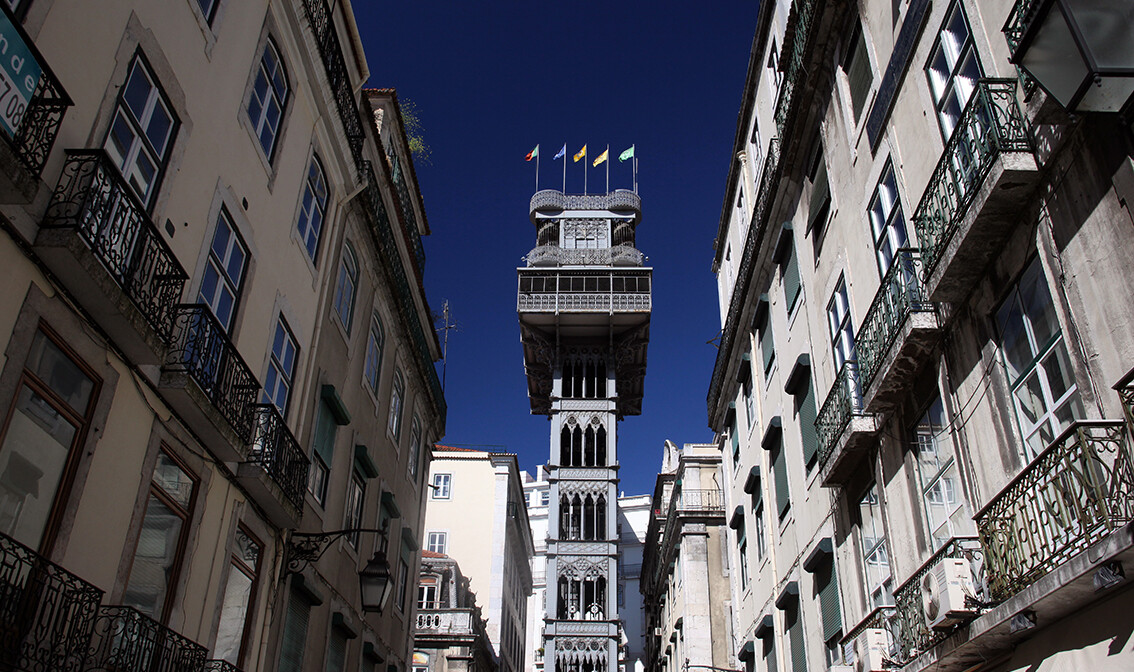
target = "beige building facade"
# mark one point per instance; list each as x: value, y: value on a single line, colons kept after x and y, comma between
x: 203, y: 221
x: 921, y: 393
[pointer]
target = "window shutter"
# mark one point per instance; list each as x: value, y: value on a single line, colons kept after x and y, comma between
x: 794, y: 625
x: 828, y: 587
x: 820, y: 195
x: 791, y: 279
x: 858, y: 72
x: 779, y: 469
x: 767, y: 347
x: 295, y: 633
x: 336, y: 651
x: 770, y: 653
x: 325, y: 427
x: 807, y: 431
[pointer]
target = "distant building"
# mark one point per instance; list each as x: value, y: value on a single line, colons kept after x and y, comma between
x: 449, y: 633
x: 684, y: 580
x: 476, y: 515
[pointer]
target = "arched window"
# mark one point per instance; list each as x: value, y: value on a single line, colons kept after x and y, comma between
x: 397, y: 397
x: 578, y: 379
x: 589, y: 448
x: 565, y: 447
x: 601, y: 382
x: 600, y: 517
x: 312, y: 207
x: 564, y: 516
x: 589, y: 518
x: 576, y: 518
x: 600, y: 448
x: 347, y: 286
x: 268, y: 99
x: 590, y: 380
x: 577, y: 447
x: 374, y: 343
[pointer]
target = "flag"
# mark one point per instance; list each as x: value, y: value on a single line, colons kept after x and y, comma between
x: 628, y: 154
x: 581, y: 154
x: 600, y: 158
x: 562, y: 151
x: 532, y: 154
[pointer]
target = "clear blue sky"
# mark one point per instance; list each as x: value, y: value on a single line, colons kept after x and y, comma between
x: 493, y: 79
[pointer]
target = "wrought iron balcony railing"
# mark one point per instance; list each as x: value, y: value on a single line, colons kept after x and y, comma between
x: 915, y: 636
x: 275, y: 449
x: 201, y: 348
x: 797, y: 42
x: 901, y: 293
x: 1077, y: 491
x: 408, y: 220
x: 843, y: 402
x: 94, y: 200
x: 553, y: 255
x: 1023, y: 11
x: 47, y: 614
x: 35, y: 130
x: 388, y: 250
x: 128, y: 641
x: 991, y: 124
x: 583, y: 303
x: 553, y: 199
x: 220, y: 666
x: 445, y: 621
x: 331, y: 53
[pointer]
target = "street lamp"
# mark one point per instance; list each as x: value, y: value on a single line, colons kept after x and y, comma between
x: 375, y: 580
x: 1080, y: 51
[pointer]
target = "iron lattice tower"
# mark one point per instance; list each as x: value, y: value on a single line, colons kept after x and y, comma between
x: 584, y: 304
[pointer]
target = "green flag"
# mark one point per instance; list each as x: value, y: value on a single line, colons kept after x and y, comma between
x: 628, y: 154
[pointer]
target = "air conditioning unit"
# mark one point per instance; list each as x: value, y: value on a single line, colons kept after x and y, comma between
x: 870, y: 650
x: 943, y: 592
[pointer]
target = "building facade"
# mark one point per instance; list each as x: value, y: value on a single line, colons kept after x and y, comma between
x: 584, y: 309
x: 199, y: 216
x: 685, y: 577
x: 921, y: 393
x: 450, y: 634
x: 475, y: 515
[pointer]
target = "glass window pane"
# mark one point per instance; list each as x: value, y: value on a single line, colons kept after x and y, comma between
x: 234, y: 610
x: 60, y: 373
x: 173, y: 480
x: 154, y: 559
x: 137, y: 91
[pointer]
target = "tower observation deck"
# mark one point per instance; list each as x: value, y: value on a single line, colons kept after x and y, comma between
x: 584, y: 301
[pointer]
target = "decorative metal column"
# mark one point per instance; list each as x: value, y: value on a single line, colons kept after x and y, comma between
x: 584, y: 305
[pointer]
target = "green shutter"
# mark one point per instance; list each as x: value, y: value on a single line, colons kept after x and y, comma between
x: 734, y: 436
x: 858, y: 72
x: 793, y: 623
x: 336, y: 651
x: 820, y: 195
x: 828, y: 588
x: 325, y: 430
x: 791, y: 279
x: 779, y: 469
x: 295, y: 633
x: 807, y: 432
x: 767, y: 347
x: 770, y: 653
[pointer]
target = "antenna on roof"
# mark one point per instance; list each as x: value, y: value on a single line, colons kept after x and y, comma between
x: 446, y: 326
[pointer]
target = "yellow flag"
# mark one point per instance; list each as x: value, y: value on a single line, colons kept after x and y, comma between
x: 600, y: 158
x: 581, y: 154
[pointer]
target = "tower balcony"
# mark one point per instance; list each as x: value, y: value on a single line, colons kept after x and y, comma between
x: 584, y: 292
x: 97, y: 238
x: 845, y: 429
x: 553, y: 255
x: 552, y: 203
x: 977, y: 192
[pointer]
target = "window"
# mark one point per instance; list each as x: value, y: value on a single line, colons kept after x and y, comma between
x: 761, y: 533
x: 141, y: 132
x: 347, y: 286
x: 269, y: 96
x: 295, y: 632
x: 819, y: 205
x: 336, y: 650
x: 208, y: 9
x: 790, y: 275
x: 780, y: 478
x: 416, y: 449
x: 856, y: 66
x: 839, y: 326
x: 1044, y: 391
x: 774, y: 65
x: 953, y: 69
x: 427, y: 593
x: 356, y: 495
x: 438, y: 542
x: 938, y: 475
x: 441, y: 486
x: 403, y: 579
x: 373, y: 366
x: 749, y: 397
x: 161, y: 540
x: 887, y: 224
x: 544, y: 497
x: 312, y: 208
x: 281, y: 367
x: 742, y: 549
x: 46, y: 424
x: 397, y: 396
x: 876, y: 560
x: 793, y: 628
x: 239, y: 593
x: 322, y: 453
x: 806, y: 412
x: 224, y: 271
x: 830, y: 611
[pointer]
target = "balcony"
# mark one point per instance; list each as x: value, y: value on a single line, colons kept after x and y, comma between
x: 977, y: 193
x: 126, y: 640
x: 584, y: 293
x: 552, y: 203
x: 330, y: 52
x: 450, y: 622
x: 30, y: 136
x: 220, y: 666
x: 97, y: 237
x: 915, y: 632
x: 1072, y: 495
x: 845, y: 429
x: 275, y: 473
x: 897, y: 335
x: 47, y: 614
x: 553, y: 255
x: 208, y: 383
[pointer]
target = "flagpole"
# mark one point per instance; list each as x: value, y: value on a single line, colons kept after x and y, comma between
x: 585, y: 171
x: 564, y: 168
x: 635, y: 171
x: 537, y: 169
x: 607, y: 152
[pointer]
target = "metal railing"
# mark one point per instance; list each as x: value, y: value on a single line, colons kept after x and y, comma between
x: 128, y: 641
x: 408, y: 219
x: 797, y: 42
x: 407, y: 308
x: 547, y: 255
x: 553, y: 199
x: 47, y: 614
x: 36, y: 130
x: 275, y: 449
x: 584, y: 302
x: 445, y: 621
x: 991, y: 123
x: 914, y: 634
x: 331, y: 53
x: 900, y: 294
x: 220, y: 666
x: 94, y: 200
x: 1023, y: 11
x: 1074, y: 493
x: 201, y: 348
x: 843, y: 402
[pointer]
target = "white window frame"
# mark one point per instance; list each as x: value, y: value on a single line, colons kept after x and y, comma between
x: 346, y: 287
x: 130, y: 125
x: 416, y: 450
x: 397, y: 400
x: 219, y: 264
x: 375, y: 341
x: 270, y: 90
x: 887, y: 220
x: 442, y: 486
x: 437, y: 542
x: 840, y: 326
x: 281, y: 367
x: 952, y: 69
x: 874, y: 550
x: 312, y: 208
